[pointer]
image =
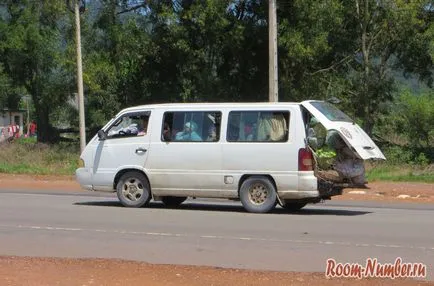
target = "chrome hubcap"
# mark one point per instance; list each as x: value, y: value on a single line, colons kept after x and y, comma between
x: 133, y: 189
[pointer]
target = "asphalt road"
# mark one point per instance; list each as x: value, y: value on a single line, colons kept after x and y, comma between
x: 215, y: 233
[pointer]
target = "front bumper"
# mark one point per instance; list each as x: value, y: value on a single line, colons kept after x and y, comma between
x: 84, y: 178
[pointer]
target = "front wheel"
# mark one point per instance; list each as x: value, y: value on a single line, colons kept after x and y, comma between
x: 258, y: 195
x: 133, y: 190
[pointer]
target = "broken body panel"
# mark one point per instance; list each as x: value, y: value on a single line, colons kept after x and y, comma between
x: 353, y: 135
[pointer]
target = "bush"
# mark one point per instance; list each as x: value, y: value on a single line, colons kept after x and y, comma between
x: 415, y: 118
x: 398, y: 155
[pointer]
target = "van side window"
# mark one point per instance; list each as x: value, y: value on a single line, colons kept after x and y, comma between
x: 132, y: 124
x: 195, y: 126
x: 258, y: 126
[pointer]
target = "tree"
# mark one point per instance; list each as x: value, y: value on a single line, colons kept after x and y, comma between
x: 308, y: 59
x: 387, y: 35
x: 32, y: 56
x: 4, y: 88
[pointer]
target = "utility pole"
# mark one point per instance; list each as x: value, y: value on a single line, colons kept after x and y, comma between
x: 28, y: 114
x: 79, y: 76
x: 272, y: 52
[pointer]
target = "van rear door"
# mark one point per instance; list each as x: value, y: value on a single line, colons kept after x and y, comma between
x: 334, y: 119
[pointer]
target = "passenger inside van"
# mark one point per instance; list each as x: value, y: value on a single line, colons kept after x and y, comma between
x: 212, y: 134
x: 189, y: 133
x: 249, y: 130
x: 272, y: 127
x: 143, y: 127
x: 166, y: 136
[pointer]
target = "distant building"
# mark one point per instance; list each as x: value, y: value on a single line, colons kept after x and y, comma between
x: 8, y: 117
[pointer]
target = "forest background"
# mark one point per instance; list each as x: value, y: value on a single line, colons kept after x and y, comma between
x: 374, y: 56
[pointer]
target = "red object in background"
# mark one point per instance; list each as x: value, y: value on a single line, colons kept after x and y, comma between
x: 14, y: 130
x: 32, y: 128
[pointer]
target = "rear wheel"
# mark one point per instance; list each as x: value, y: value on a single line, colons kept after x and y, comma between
x: 173, y: 201
x: 258, y: 195
x: 133, y: 190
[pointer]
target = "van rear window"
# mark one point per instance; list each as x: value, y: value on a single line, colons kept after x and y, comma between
x: 258, y: 126
x: 331, y: 112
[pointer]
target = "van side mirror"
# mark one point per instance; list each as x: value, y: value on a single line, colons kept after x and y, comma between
x: 102, y: 135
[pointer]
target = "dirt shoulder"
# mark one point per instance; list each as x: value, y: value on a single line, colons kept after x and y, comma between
x: 391, y: 192
x: 83, y: 272
x: 376, y: 191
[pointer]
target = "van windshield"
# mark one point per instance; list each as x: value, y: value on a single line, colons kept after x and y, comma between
x: 331, y: 112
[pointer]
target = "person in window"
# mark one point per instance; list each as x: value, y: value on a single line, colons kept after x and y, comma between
x: 233, y: 131
x: 212, y: 134
x: 189, y: 133
x: 132, y: 129
x: 166, y: 132
x: 143, y: 127
x: 248, y: 132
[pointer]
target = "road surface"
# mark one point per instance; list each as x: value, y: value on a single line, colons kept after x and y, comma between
x: 215, y: 233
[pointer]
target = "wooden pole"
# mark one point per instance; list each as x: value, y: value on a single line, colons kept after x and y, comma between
x: 272, y: 52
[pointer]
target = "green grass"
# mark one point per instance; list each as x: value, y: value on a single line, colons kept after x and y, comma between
x: 26, y: 156
x: 401, y: 173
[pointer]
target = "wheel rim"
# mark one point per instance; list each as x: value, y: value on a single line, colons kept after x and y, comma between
x: 133, y: 189
x: 258, y: 194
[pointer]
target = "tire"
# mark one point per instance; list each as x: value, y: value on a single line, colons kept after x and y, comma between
x: 133, y: 190
x: 258, y: 195
x: 294, y: 206
x: 173, y: 201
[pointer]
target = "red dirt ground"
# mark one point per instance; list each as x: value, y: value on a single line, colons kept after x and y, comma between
x: 85, y: 272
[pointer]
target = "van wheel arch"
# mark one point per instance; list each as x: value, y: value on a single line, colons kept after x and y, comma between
x: 122, y: 172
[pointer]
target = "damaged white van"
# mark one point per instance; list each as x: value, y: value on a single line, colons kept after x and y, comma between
x: 262, y: 154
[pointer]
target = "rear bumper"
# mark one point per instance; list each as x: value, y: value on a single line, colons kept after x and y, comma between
x: 307, y: 188
x: 297, y: 195
x: 84, y: 178
x: 310, y: 187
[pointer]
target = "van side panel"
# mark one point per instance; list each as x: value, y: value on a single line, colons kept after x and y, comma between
x: 214, y: 169
x: 278, y: 159
x: 184, y: 168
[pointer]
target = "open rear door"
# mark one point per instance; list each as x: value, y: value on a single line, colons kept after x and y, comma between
x: 334, y: 119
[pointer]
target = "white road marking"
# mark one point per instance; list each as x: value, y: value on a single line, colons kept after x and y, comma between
x: 51, y: 228
x: 58, y: 194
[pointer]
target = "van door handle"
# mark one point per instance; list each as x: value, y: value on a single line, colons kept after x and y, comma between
x: 140, y: 150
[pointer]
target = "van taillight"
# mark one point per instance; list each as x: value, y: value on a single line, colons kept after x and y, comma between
x: 305, y: 160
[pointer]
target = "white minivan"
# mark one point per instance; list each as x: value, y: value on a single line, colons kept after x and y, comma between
x: 257, y: 153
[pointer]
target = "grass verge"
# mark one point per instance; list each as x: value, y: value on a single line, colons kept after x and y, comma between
x: 401, y: 173
x: 26, y: 156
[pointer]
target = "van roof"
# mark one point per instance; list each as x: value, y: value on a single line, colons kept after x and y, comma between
x: 209, y: 104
